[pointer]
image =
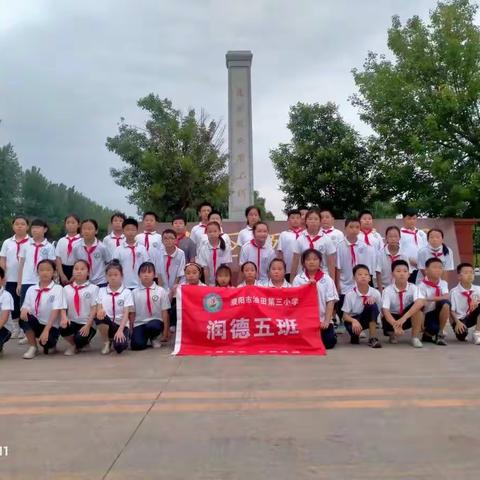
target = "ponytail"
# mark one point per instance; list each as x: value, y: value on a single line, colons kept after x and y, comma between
x: 223, y: 245
x: 445, y: 250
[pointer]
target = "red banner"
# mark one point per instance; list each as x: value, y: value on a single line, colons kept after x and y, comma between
x: 248, y: 321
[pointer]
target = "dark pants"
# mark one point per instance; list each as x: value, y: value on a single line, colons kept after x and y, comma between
x: 5, y: 335
x: 470, y: 321
x: 68, y: 271
x: 118, y: 346
x: 432, y: 319
x: 23, y: 292
x: 339, y: 305
x: 287, y: 277
x: 141, y: 334
x: 11, y: 288
x: 413, y: 277
x: 329, y: 337
x: 387, y: 328
x: 79, y: 340
x: 32, y: 324
x: 173, y: 313
x: 368, y: 316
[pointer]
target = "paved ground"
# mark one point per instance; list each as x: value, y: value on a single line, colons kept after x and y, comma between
x: 395, y: 413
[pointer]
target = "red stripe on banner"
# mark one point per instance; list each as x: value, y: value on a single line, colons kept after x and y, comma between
x: 248, y: 321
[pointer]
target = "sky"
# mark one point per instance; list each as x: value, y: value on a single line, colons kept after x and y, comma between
x: 69, y: 70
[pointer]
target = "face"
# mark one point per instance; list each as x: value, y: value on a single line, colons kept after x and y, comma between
x: 362, y: 277
x: 393, y: 238
x: 147, y: 276
x: 253, y: 217
x: 435, y: 239
x: 117, y: 224
x: 313, y: 222
x: 312, y: 263
x: 130, y: 232
x: 434, y: 271
x: 168, y: 240
x: 327, y: 219
x: 88, y: 231
x: 192, y: 275
x: 261, y: 234
x: 223, y: 278
x: 249, y: 273
x: 410, y: 221
x: 114, y: 278
x: 213, y: 232
x: 80, y: 272
x: 45, y: 273
x: 38, y: 233
x: 277, y: 272
x: 71, y: 225
x: 295, y: 220
x: 401, y: 274
x: 205, y: 212
x: 149, y: 223
x: 179, y: 227
x: 366, y: 221
x: 352, y: 229
x: 215, y: 218
x: 466, y: 275
x: 20, y: 227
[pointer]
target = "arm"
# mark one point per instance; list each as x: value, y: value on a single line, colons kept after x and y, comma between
x: 416, y: 307
x: 294, y: 269
x: 4, y: 314
x: 3, y: 263
x: 356, y: 326
x: 379, y: 282
x: 21, y: 263
x: 61, y: 273
x: 120, y: 336
x: 331, y: 262
x: 328, y: 314
x: 166, y: 325
x: 43, y: 339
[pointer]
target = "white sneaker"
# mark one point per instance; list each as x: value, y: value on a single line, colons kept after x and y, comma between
x: 106, y: 348
x: 173, y: 329
x: 156, y: 343
x: 416, y: 342
x: 476, y: 338
x: 70, y: 351
x: 23, y: 341
x: 30, y: 353
x: 15, y: 333
x: 363, y: 334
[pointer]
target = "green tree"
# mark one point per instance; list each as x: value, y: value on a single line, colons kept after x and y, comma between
x: 174, y: 162
x: 423, y: 104
x: 326, y: 162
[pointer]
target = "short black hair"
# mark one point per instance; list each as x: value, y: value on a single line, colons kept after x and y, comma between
x: 398, y: 263
x: 463, y: 265
x: 294, y: 211
x: 2, y: 273
x: 89, y: 220
x: 167, y: 231
x: 360, y: 266
x: 433, y: 260
x: 20, y: 217
x: 392, y: 227
x: 204, y: 204
x: 129, y: 221
x: 350, y: 220
x: 276, y: 260
x: 146, y: 267
x: 248, y: 263
x: 364, y: 212
x: 409, y: 212
x: 38, y: 222
x: 114, y: 265
x: 72, y: 215
x: 118, y: 215
x: 311, y: 251
x: 50, y: 262
x: 179, y: 217
x: 214, y: 212
x: 250, y: 208
x: 153, y: 214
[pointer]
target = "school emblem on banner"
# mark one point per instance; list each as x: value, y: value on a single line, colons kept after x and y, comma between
x: 212, y: 303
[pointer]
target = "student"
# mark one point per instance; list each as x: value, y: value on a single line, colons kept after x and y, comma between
x: 76, y: 325
x: 93, y: 251
x: 303, y: 213
x: 214, y: 252
x: 199, y: 230
x: 387, y: 255
x: 288, y: 238
x: 9, y: 260
x: 6, y: 307
x: 258, y: 251
x: 150, y: 239
x: 249, y: 273
x: 326, y: 291
x: 362, y: 307
x: 64, y: 248
x: 114, y: 303
x: 253, y: 216
x: 327, y: 222
x: 401, y: 308
x: 223, y: 277
x: 434, y: 292
x: 193, y: 275
x: 215, y: 216
x: 276, y: 274
x: 31, y: 253
x: 435, y: 249
x: 151, y: 306
x: 465, y: 298
x: 412, y: 240
x: 183, y: 241
x: 367, y: 233
x: 116, y: 237
x: 131, y: 253
x: 312, y: 237
x: 41, y: 310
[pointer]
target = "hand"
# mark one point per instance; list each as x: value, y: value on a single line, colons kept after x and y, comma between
x: 356, y: 327
x: 63, y: 278
x: 84, y: 331
x: 398, y: 328
x: 43, y: 339
x: 460, y: 327
x: 18, y: 289
x: 166, y: 336
x: 370, y: 300
x: 101, y: 314
x: 325, y: 324
x: 119, y: 336
x: 24, y: 314
x: 64, y: 322
x: 413, y: 262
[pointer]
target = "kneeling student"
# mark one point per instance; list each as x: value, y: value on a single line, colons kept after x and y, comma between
x: 465, y: 300
x: 326, y: 291
x: 6, y: 307
x: 151, y: 305
x: 276, y: 274
x: 76, y: 326
x: 249, y: 274
x: 401, y: 307
x: 362, y: 307
x: 434, y: 292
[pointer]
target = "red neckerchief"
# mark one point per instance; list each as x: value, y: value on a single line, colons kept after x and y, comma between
x: 414, y: 233
x: 366, y: 232
x: 436, y: 286
x: 89, y: 251
x: 254, y: 243
x: 71, y: 241
x: 19, y: 244
x: 40, y: 292
x: 76, y: 297
x: 317, y: 277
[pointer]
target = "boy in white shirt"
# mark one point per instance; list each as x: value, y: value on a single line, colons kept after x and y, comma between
x: 6, y: 306
x: 116, y: 237
x: 367, y: 232
x: 287, y: 240
x: 198, y: 231
x: 328, y: 229
x: 150, y: 239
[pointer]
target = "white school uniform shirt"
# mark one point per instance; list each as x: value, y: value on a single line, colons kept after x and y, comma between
x: 286, y: 244
x: 411, y: 241
x: 99, y: 257
x: 263, y: 255
x: 130, y: 258
x: 374, y: 239
x: 197, y: 234
x: 256, y: 284
x: 334, y: 234
x: 205, y: 258
x: 176, y: 267
x: 159, y: 302
x: 154, y: 240
x: 204, y: 238
x: 270, y: 284
x: 122, y: 300
x: 246, y: 235
x: 61, y: 249
x: 425, y: 291
x: 321, y: 242
x: 27, y: 251
x: 87, y: 293
x: 326, y: 291
x: 391, y: 297
x: 384, y: 263
x: 428, y: 252
x: 459, y: 298
x: 112, y: 242
x: 364, y: 254
x: 6, y: 301
x: 11, y: 252
x: 353, y: 304
x: 41, y: 304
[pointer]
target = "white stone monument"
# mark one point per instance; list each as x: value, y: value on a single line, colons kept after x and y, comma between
x: 239, y: 133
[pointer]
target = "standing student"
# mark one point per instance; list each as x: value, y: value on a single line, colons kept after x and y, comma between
x: 116, y: 237
x: 253, y: 216
x: 214, y: 252
x: 326, y: 292
x: 193, y: 275
x: 9, y: 260
x: 114, y: 304
x: 387, y: 255
x: 303, y: 213
x: 38, y: 248
x: 76, y: 325
x: 258, y: 251
x: 412, y: 240
x: 131, y: 253
x: 367, y: 232
x: 362, y: 307
x: 150, y: 239
x: 41, y: 310
x: 151, y: 307
x: 64, y: 248
x: 434, y: 292
x: 435, y: 248
x: 199, y: 230
x: 288, y: 238
x: 183, y: 241
x: 215, y: 216
x: 276, y: 274
x: 312, y: 237
x: 93, y: 251
x: 401, y: 307
x: 223, y: 277
x: 327, y: 222
x: 249, y: 274
x: 465, y: 298
x: 6, y: 307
